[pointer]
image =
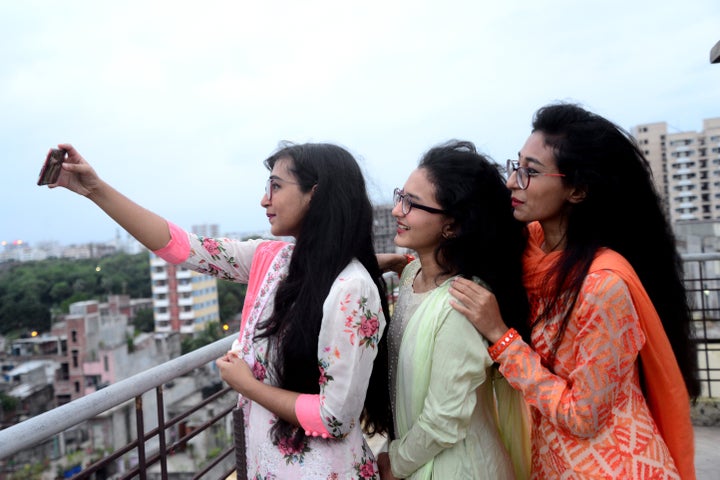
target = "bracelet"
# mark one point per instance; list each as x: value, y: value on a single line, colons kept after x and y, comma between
x: 409, y: 258
x: 499, y: 347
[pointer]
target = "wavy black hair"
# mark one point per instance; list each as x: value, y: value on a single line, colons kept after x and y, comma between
x: 621, y: 211
x: 487, y: 240
x: 336, y: 229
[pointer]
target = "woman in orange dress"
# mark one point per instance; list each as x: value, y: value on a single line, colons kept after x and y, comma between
x: 610, y: 367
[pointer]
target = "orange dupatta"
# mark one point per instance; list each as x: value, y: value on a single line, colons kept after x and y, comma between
x: 665, y: 391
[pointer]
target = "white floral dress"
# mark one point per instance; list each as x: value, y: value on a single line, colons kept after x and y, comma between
x: 352, y: 325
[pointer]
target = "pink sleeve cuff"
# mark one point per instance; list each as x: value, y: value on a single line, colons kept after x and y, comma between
x: 307, y: 410
x: 178, y: 248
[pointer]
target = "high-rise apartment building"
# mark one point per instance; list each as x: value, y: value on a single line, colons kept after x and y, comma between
x: 384, y: 229
x: 183, y: 300
x: 686, y: 166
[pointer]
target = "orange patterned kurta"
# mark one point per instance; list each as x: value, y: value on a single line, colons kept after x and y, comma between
x: 590, y: 418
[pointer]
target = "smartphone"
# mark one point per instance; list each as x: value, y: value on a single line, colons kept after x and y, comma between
x: 52, y: 166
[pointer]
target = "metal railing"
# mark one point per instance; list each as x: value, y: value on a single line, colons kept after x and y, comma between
x: 35, y: 430
x: 153, y: 447
x: 702, y: 282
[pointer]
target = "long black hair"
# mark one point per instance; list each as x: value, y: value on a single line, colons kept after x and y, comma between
x: 486, y: 241
x: 621, y: 211
x: 336, y: 229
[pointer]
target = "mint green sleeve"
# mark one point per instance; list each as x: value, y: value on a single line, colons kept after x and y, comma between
x: 459, y: 364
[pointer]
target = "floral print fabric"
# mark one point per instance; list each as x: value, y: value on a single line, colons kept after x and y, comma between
x: 352, y: 325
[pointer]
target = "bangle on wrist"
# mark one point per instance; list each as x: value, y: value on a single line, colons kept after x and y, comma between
x: 498, y: 347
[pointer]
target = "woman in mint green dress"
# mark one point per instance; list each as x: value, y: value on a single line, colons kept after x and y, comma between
x: 455, y: 416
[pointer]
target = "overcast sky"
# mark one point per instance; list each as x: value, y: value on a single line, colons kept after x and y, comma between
x: 177, y: 103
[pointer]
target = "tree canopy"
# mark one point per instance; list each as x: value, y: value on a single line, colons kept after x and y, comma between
x: 30, y: 291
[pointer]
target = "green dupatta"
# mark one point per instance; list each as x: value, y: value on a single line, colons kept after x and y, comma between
x: 422, y: 328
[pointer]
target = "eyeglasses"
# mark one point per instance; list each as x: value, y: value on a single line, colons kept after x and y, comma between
x: 407, y: 204
x: 524, y: 174
x: 272, y: 182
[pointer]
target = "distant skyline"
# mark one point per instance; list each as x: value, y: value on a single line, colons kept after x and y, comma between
x: 176, y: 104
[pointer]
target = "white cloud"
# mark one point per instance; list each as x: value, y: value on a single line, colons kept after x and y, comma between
x: 178, y: 103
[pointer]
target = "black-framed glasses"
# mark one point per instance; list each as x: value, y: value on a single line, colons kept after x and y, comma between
x: 524, y: 174
x: 407, y: 204
x: 271, y: 183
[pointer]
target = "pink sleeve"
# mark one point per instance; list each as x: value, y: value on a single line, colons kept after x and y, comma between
x: 307, y: 410
x: 178, y: 248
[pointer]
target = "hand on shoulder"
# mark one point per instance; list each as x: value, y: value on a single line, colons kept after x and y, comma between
x: 480, y: 307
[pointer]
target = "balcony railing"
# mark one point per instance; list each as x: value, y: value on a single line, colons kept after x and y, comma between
x: 163, y: 433
x: 154, y: 441
x: 702, y: 282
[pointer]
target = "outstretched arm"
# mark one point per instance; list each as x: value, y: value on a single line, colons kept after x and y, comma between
x: 78, y: 176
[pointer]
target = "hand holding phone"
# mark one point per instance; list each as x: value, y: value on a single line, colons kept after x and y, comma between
x: 52, y: 167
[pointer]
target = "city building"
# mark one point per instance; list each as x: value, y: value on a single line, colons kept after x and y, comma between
x: 31, y: 384
x: 88, y: 349
x: 21, y: 251
x: 206, y: 230
x: 384, y: 229
x: 686, y: 167
x: 184, y: 301
x: 95, y: 346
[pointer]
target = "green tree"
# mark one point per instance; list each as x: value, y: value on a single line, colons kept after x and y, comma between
x: 212, y: 332
x: 144, y: 320
x: 30, y: 471
x: 231, y: 296
x: 29, y: 291
x: 60, y: 291
x: 8, y: 403
x: 230, y: 306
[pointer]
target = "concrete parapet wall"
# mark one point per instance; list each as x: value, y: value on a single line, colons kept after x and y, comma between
x: 706, y: 412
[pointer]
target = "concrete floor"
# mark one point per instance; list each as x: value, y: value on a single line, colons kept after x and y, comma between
x: 707, y: 452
